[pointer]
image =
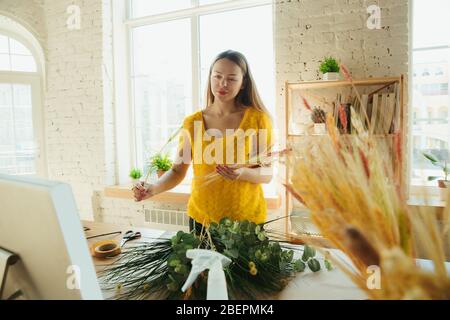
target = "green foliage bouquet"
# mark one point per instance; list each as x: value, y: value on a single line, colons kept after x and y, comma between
x: 260, y: 267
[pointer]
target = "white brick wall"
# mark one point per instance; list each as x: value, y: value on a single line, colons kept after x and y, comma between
x: 79, y: 108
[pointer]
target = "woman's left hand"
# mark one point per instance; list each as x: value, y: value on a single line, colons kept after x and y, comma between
x: 228, y: 173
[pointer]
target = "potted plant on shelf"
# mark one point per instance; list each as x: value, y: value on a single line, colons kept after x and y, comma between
x: 330, y: 69
x: 443, y: 181
x: 160, y: 163
x: 135, y: 175
x: 318, y: 116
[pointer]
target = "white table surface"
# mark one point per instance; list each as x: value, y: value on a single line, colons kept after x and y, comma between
x: 308, y: 285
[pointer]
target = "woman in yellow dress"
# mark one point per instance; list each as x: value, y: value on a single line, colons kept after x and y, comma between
x: 220, y: 141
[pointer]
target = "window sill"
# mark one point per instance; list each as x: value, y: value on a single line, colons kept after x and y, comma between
x: 421, y: 201
x: 426, y: 196
x: 180, y: 194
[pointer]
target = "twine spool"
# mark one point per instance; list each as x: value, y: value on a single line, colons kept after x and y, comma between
x: 106, y: 249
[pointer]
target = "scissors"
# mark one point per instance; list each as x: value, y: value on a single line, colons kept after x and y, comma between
x: 129, y: 235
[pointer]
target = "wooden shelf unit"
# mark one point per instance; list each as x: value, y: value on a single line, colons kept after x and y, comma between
x: 291, y: 87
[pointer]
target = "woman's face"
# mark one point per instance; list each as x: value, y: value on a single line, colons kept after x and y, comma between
x: 226, y: 80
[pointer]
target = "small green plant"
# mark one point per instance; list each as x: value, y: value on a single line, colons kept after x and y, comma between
x: 329, y: 65
x: 135, y: 173
x: 160, y: 162
x: 318, y: 115
x: 438, y: 163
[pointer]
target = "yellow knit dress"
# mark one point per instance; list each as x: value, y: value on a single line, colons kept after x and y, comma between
x: 213, y: 199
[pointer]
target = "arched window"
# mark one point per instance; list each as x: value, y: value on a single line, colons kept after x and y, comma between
x: 14, y: 56
x: 21, y: 125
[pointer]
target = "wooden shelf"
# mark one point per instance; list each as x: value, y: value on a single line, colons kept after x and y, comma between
x: 291, y: 88
x: 341, y: 83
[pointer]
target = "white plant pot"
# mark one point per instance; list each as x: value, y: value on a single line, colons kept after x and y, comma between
x: 320, y: 128
x: 331, y: 76
x: 443, y: 193
x: 444, y: 189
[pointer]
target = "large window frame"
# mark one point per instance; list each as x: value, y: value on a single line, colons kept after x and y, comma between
x: 126, y: 141
x: 35, y: 80
x: 415, y: 189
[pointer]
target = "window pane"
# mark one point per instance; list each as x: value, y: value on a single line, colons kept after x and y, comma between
x: 6, y: 132
x: 23, y: 119
x: 431, y: 23
x: 18, y: 48
x: 4, y: 62
x: 431, y: 105
x: 19, y: 59
x: 142, y: 8
x: 4, y: 44
x: 5, y: 95
x: 217, y: 34
x: 23, y: 63
x: 17, y: 150
x: 162, y: 82
x: 22, y: 96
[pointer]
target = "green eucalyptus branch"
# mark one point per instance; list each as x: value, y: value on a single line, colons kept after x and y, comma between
x: 260, y: 267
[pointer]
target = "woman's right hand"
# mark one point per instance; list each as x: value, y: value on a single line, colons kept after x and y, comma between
x: 143, y: 191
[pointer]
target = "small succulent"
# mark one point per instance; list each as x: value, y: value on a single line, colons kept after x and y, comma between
x: 135, y: 173
x: 329, y: 65
x: 318, y: 115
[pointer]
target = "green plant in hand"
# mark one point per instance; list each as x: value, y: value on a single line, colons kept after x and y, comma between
x: 160, y: 162
x: 329, y: 65
x: 135, y: 173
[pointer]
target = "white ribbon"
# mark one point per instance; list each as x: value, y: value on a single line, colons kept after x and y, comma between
x: 206, y: 259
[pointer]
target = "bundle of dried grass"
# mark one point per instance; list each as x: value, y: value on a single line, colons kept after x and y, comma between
x: 349, y: 185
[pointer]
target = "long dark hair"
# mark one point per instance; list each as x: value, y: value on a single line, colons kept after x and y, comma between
x: 249, y: 95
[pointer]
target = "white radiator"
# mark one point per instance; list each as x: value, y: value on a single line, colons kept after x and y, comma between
x: 167, y: 219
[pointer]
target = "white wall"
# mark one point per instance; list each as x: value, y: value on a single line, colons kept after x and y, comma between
x: 78, y: 109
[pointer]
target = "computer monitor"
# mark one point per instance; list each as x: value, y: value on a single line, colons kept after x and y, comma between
x: 39, y: 222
